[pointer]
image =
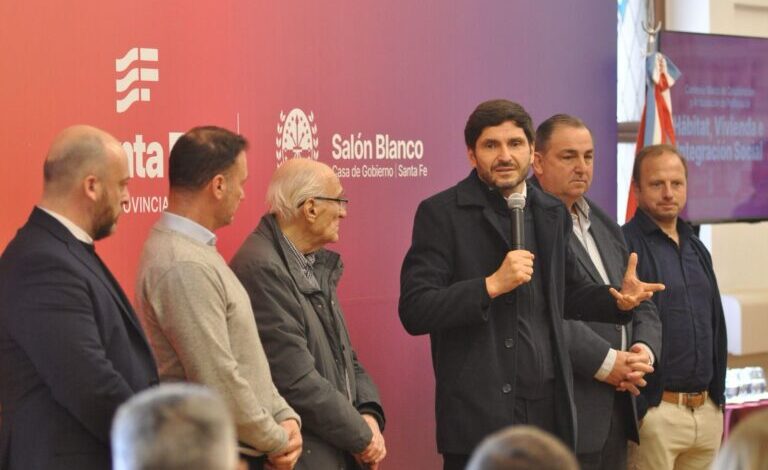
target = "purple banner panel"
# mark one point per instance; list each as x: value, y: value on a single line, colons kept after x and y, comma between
x: 720, y: 109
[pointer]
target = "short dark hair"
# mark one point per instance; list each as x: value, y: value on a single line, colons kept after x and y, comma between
x: 494, y: 113
x: 547, y: 128
x: 202, y: 153
x: 655, y: 151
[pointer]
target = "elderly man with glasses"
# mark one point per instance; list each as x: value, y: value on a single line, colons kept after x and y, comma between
x: 291, y: 279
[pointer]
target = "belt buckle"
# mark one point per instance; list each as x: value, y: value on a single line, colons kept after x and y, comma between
x: 692, y: 400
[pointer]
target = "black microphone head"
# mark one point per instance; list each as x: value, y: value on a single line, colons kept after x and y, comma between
x: 516, y: 201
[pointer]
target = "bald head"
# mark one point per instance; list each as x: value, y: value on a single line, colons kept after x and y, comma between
x: 76, y: 152
x: 294, y: 182
x: 86, y: 179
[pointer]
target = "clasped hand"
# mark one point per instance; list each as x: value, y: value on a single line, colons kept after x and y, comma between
x: 629, y: 369
x: 288, y: 455
x: 372, y: 455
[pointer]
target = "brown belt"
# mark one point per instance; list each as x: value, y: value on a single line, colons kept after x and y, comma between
x: 691, y: 400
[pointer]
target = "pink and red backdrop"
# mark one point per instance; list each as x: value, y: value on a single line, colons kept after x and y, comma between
x: 412, y: 71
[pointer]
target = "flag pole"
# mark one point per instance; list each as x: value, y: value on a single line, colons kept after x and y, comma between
x: 656, y: 126
x: 651, y: 27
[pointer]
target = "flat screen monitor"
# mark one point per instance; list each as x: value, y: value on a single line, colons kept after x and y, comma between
x: 720, y: 113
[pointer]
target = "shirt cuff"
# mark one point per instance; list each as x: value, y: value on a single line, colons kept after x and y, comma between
x: 607, y: 366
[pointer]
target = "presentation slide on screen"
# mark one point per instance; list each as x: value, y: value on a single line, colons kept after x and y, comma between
x: 720, y: 109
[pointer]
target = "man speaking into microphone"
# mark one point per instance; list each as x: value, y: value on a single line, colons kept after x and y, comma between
x: 495, y: 314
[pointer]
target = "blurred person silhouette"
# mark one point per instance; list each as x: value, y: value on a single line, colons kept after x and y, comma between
x: 522, y: 448
x: 746, y: 448
x: 174, y: 427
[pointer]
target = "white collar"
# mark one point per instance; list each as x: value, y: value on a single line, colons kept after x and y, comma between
x: 73, y: 228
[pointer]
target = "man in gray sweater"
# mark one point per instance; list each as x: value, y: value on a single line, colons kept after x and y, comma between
x: 196, y: 313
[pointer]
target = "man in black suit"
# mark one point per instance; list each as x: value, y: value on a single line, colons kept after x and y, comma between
x: 71, y: 348
x: 603, y: 355
x: 495, y: 315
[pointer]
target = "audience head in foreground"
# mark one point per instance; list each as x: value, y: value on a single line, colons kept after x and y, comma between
x: 746, y: 448
x: 522, y: 448
x: 174, y: 427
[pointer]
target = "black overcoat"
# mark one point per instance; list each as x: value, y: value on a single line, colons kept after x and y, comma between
x: 458, y: 241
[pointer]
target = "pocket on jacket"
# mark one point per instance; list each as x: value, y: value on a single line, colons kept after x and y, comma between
x: 317, y: 453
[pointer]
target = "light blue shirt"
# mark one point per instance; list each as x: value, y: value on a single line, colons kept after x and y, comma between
x: 187, y: 227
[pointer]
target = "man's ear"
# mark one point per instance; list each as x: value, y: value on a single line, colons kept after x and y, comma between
x: 218, y: 186
x: 635, y: 189
x: 92, y: 187
x: 471, y: 157
x: 309, y: 209
x: 538, y: 169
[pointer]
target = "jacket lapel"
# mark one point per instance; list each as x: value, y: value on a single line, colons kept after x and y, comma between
x: 583, y: 257
x: 545, y: 222
x: 90, y: 261
x: 610, y: 252
x: 271, y: 230
x: 79, y: 252
x: 493, y: 219
x: 323, y: 266
x: 472, y: 192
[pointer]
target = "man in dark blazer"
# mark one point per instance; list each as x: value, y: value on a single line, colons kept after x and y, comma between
x: 71, y: 348
x: 495, y: 315
x: 602, y: 355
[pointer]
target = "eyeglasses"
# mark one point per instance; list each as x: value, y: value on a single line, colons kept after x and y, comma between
x: 342, y: 201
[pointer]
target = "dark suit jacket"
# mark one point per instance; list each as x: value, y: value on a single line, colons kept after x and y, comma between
x: 457, y: 242
x: 310, y: 354
x: 638, y: 233
x: 71, y: 351
x: 589, y: 346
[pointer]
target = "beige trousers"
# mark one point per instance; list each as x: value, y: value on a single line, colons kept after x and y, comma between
x: 674, y: 437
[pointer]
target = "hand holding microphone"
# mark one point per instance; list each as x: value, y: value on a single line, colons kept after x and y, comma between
x: 517, y: 266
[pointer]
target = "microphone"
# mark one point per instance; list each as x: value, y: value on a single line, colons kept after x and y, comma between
x: 516, y: 204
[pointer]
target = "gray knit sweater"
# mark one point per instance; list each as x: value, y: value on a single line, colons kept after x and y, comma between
x: 200, y: 325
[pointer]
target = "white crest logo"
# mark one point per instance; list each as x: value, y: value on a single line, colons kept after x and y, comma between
x: 296, y: 136
x: 134, y: 75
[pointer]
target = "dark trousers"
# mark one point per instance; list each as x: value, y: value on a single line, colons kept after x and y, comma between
x: 539, y: 412
x: 455, y: 461
x: 614, y: 452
